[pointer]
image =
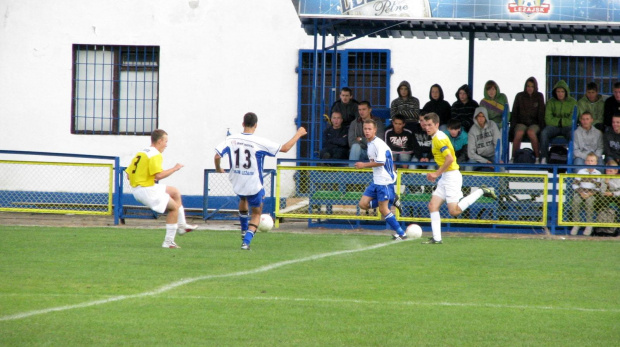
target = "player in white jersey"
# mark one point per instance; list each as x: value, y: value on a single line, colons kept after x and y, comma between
x: 246, y: 153
x: 381, y: 192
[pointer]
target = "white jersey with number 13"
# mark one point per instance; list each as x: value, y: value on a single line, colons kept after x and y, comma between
x: 246, y: 154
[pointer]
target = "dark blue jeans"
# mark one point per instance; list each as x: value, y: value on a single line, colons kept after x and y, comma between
x: 548, y: 133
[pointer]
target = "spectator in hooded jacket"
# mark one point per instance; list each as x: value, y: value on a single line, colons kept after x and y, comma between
x: 464, y: 107
x: 558, y: 117
x: 482, y: 138
x: 438, y: 105
x: 346, y: 106
x: 528, y: 115
x: 594, y: 104
x: 406, y: 104
x: 494, y: 102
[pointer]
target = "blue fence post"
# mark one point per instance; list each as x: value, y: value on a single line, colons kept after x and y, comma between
x: 571, y: 142
x: 205, y: 194
x: 505, y: 155
x: 498, y: 156
x: 118, y: 190
x: 553, y: 208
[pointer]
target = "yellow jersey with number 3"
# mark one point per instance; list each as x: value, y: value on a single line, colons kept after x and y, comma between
x: 441, y: 148
x: 144, y: 166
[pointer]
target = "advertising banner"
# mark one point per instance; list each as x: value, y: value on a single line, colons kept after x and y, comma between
x: 483, y: 10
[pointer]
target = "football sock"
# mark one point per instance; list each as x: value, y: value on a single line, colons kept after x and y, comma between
x: 248, y: 237
x: 436, y: 225
x: 470, y: 199
x: 244, y: 219
x: 171, y: 231
x: 181, y: 219
x: 391, y: 220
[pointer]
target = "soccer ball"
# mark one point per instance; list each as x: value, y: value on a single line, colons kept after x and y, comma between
x: 413, y: 231
x: 266, y: 223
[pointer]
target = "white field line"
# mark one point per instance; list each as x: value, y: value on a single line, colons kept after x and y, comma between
x: 397, y: 303
x: 182, y: 282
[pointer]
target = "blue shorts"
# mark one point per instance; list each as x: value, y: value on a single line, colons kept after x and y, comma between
x: 380, y: 192
x: 255, y: 200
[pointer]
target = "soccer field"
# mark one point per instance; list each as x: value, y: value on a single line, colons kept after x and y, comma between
x: 109, y: 286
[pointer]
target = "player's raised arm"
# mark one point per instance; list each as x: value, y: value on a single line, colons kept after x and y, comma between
x: 287, y: 146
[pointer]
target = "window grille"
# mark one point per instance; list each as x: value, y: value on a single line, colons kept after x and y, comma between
x: 579, y: 71
x: 115, y: 90
x: 366, y: 72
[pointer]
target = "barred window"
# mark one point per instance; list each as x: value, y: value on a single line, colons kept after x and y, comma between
x: 579, y: 71
x: 366, y: 72
x: 115, y: 90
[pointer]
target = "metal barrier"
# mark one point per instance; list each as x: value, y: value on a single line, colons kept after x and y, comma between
x: 81, y: 186
x: 528, y: 197
x: 221, y: 203
x: 584, y: 199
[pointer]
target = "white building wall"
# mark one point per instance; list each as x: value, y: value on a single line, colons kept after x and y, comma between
x: 217, y: 61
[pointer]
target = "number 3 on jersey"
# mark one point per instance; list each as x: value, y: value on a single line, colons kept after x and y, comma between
x: 135, y: 164
x: 247, y: 163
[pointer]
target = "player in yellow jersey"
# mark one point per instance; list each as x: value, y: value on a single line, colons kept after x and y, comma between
x: 143, y: 172
x: 450, y: 178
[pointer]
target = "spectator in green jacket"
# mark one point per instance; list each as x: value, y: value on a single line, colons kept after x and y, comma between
x: 594, y: 104
x: 494, y: 102
x: 558, y: 117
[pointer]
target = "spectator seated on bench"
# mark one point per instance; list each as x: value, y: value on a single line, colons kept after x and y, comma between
x: 528, y: 116
x: 558, y: 118
x: 482, y: 140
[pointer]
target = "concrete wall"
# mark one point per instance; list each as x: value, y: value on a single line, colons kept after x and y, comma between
x: 218, y: 61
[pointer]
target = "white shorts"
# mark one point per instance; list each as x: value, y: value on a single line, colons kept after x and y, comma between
x: 449, y: 186
x: 155, y: 197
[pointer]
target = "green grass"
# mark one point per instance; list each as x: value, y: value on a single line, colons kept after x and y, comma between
x: 470, y: 291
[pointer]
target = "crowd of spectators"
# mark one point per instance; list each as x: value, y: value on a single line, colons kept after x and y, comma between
x: 475, y: 128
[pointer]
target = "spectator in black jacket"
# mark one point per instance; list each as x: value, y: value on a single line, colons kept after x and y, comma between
x: 463, y: 108
x: 611, y: 140
x: 335, y: 139
x: 612, y: 107
x: 438, y: 105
